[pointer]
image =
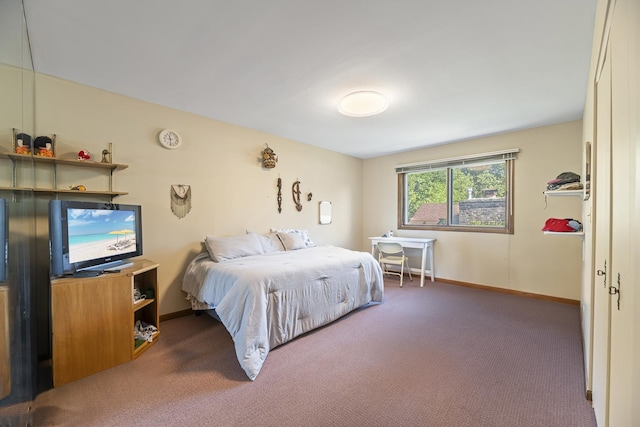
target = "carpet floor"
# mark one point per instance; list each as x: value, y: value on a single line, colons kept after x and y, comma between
x: 442, y: 355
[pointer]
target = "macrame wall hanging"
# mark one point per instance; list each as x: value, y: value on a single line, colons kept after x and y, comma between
x: 180, y: 200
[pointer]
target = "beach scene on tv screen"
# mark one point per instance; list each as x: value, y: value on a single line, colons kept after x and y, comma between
x: 100, y: 233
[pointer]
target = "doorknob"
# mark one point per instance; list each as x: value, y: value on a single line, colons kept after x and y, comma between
x: 603, y: 273
x: 613, y: 291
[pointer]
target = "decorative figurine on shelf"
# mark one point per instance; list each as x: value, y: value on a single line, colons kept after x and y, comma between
x: 269, y: 158
x: 106, y: 156
x: 78, y: 187
x: 23, y: 143
x: 84, y: 155
x: 42, y: 145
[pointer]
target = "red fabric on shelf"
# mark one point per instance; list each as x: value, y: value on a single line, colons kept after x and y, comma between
x: 557, y: 224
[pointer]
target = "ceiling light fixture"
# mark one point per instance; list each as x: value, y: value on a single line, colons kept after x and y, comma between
x: 362, y: 104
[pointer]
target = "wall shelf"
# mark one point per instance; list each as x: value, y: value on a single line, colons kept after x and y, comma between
x: 555, y: 193
x: 94, y: 193
x: 58, y: 161
x: 565, y: 193
x: 54, y: 162
x: 565, y: 233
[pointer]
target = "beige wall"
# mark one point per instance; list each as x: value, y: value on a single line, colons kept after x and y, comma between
x: 16, y: 108
x: 231, y: 191
x: 526, y: 261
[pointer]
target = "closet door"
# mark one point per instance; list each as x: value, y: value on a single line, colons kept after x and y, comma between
x: 622, y: 286
x: 602, y: 255
x: 632, y: 299
x: 616, y: 340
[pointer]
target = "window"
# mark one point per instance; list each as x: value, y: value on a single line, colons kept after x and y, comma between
x: 472, y: 193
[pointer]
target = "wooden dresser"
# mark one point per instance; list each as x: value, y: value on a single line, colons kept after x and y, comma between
x: 5, y: 340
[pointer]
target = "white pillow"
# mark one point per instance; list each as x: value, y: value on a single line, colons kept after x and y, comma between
x: 226, y: 248
x: 270, y: 242
x: 304, y: 233
x: 292, y: 241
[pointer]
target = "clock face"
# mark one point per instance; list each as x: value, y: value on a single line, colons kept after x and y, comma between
x: 169, y: 139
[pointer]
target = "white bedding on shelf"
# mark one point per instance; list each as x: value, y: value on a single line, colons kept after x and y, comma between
x: 267, y: 300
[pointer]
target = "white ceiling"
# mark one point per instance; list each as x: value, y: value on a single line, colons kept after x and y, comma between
x: 452, y: 70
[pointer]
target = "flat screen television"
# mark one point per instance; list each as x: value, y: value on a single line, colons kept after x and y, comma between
x: 92, y: 236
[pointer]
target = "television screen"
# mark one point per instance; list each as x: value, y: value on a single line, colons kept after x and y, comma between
x: 89, y: 235
x: 100, y: 233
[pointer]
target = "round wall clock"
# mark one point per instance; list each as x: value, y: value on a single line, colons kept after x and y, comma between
x: 169, y: 139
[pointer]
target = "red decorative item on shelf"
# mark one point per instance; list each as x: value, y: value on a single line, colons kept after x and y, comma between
x: 557, y: 225
x: 84, y: 155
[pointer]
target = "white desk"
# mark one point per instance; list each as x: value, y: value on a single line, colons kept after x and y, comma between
x: 411, y: 242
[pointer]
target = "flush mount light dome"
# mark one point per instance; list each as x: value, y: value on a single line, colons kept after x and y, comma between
x: 362, y: 104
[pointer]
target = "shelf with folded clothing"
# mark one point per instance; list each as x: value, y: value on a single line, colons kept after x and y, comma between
x: 566, y: 184
x: 570, y: 227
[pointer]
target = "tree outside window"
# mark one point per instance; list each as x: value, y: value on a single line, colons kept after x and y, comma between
x: 470, y: 197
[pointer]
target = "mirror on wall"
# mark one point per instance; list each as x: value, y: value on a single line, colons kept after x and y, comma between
x: 18, y: 360
x: 325, y: 212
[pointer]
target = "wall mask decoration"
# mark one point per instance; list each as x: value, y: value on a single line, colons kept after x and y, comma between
x: 279, y: 195
x: 295, y: 189
x: 180, y: 200
x: 269, y: 158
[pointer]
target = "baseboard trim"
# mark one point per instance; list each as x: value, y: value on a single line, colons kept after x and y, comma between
x: 508, y: 291
x: 188, y: 311
x: 176, y: 314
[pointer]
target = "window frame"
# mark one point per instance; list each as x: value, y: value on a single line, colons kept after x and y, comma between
x: 508, y: 156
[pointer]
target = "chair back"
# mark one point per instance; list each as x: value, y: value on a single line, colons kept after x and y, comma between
x: 390, y: 248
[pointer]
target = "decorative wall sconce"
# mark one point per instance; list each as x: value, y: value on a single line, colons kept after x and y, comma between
x: 269, y: 158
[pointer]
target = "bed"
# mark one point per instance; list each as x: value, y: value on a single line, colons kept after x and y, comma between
x: 267, y: 290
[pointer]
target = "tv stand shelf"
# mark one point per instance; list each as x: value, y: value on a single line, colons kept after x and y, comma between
x: 93, y: 320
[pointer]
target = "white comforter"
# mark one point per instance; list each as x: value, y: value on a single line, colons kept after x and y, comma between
x: 267, y: 300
